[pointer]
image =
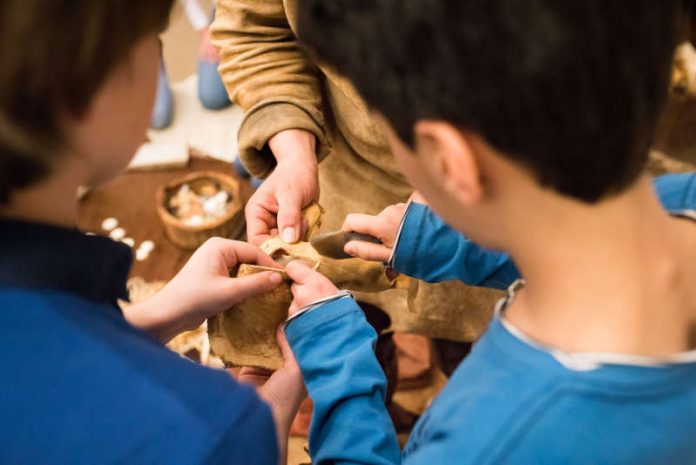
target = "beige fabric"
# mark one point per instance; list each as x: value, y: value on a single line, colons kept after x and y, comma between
x: 245, y: 334
x: 353, y: 274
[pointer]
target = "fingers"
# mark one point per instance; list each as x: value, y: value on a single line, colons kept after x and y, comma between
x: 260, y: 220
x: 235, y: 252
x: 365, y: 224
x: 254, y: 376
x: 383, y: 226
x: 290, y: 215
x: 308, y: 286
x: 300, y: 272
x: 252, y: 285
x: 368, y: 251
x: 259, y: 226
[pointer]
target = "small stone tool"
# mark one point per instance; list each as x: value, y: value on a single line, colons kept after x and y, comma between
x: 331, y: 244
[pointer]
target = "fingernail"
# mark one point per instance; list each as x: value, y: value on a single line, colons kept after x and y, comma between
x: 275, y: 278
x: 289, y: 235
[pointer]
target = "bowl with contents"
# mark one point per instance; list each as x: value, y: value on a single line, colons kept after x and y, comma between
x: 199, y: 206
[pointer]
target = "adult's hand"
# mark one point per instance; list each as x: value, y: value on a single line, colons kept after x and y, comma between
x: 276, y: 207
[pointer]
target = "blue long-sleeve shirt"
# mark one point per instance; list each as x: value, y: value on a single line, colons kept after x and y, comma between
x: 510, y: 401
x: 79, y: 385
x: 456, y: 257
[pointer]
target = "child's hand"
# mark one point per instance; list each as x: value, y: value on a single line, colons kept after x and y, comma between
x: 283, y: 389
x: 203, y: 288
x: 383, y: 226
x: 308, y: 285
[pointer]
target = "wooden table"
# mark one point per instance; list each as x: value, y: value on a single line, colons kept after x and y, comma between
x: 130, y: 198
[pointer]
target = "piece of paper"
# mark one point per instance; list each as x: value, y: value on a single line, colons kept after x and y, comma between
x: 159, y: 155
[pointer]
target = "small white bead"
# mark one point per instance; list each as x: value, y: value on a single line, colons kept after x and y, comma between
x: 117, y: 234
x: 148, y: 246
x: 109, y: 224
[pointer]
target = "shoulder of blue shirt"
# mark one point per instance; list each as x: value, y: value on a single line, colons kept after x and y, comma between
x: 90, y: 388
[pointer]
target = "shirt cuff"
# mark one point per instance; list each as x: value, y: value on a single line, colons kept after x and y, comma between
x: 318, y: 303
x: 267, y: 119
x: 407, y: 243
x: 390, y: 261
x: 320, y: 313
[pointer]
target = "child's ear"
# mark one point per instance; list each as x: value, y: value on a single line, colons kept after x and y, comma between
x: 449, y: 154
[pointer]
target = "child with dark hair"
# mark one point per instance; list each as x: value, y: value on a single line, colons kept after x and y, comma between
x: 526, y: 126
x: 84, y: 382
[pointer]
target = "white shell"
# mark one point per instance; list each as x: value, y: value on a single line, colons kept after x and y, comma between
x: 109, y: 224
x: 148, y: 246
x: 195, y: 220
x: 117, y: 234
x: 128, y: 241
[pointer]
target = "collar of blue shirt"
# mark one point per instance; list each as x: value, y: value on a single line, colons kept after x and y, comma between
x: 43, y: 257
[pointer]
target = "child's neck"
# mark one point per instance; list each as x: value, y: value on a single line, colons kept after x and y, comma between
x: 615, y: 277
x: 51, y: 201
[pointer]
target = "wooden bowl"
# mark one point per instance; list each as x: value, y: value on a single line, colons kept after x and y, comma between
x: 190, y: 237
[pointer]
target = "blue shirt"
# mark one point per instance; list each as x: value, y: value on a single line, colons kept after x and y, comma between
x: 82, y: 386
x: 457, y: 257
x: 509, y: 402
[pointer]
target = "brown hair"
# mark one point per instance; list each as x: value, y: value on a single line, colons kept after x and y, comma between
x: 54, y: 57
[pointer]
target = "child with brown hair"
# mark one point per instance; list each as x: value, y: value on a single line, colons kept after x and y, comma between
x: 82, y: 382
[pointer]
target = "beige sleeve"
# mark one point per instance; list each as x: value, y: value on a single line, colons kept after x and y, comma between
x: 268, y: 75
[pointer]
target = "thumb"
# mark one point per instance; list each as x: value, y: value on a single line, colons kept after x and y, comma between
x: 290, y: 215
x: 253, y: 285
x: 299, y: 271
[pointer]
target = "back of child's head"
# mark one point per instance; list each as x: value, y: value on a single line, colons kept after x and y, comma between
x: 570, y: 89
x: 54, y: 57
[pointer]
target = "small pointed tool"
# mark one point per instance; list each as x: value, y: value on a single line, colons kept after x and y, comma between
x: 331, y: 244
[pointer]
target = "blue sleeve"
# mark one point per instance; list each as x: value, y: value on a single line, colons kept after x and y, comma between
x: 677, y: 192
x: 430, y: 250
x: 253, y: 427
x: 334, y: 347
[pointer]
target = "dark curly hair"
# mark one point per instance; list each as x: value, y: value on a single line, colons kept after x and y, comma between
x: 54, y: 57
x: 570, y: 89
